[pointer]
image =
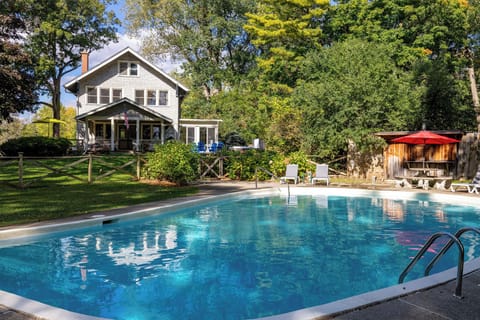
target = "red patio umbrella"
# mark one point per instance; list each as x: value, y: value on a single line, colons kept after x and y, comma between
x: 425, y: 137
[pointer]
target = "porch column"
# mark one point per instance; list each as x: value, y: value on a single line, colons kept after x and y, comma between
x: 87, y: 132
x: 137, y: 122
x: 162, y: 133
x: 112, y: 137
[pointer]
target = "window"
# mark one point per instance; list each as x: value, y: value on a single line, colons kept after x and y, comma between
x: 151, y: 97
x: 210, y: 135
x: 133, y: 69
x: 116, y: 94
x: 190, y: 134
x: 139, y: 97
x: 147, y: 130
x: 156, y: 132
x: 104, y: 95
x: 91, y: 95
x: 127, y: 68
x: 103, y: 131
x: 163, y: 98
x: 123, y: 68
x: 99, y: 130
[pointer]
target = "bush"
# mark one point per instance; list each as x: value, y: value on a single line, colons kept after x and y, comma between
x: 241, y: 165
x: 173, y: 161
x: 36, y: 146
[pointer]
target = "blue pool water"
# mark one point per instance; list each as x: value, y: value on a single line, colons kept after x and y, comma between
x: 241, y: 258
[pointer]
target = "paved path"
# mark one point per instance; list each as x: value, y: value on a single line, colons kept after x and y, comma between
x: 437, y: 303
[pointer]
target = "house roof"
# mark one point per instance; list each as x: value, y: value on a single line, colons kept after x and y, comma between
x: 120, y: 106
x: 71, y: 84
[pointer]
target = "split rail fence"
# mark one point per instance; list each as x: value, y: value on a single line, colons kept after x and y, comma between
x: 86, y: 168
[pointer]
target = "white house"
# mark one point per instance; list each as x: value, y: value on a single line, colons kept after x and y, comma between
x: 128, y: 103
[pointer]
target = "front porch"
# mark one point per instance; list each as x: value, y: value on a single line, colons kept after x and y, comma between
x: 127, y: 126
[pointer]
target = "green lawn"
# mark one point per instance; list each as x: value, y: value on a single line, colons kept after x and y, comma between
x: 60, y: 196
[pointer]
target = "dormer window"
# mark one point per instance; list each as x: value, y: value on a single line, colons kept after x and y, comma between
x: 127, y: 68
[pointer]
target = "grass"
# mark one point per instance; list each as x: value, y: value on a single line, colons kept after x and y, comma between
x: 59, y: 196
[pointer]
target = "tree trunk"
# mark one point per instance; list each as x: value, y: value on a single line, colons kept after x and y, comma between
x: 56, y: 106
x: 473, y: 88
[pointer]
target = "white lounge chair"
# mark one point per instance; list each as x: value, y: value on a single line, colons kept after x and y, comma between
x: 471, y: 187
x: 291, y: 173
x: 321, y: 174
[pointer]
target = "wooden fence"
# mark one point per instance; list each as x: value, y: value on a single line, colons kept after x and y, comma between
x: 89, y: 168
x: 83, y: 173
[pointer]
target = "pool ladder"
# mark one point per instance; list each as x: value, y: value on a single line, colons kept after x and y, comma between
x: 461, y: 254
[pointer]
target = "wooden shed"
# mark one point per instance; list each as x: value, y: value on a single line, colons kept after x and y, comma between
x: 400, y: 157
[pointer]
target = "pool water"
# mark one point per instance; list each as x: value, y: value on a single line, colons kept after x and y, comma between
x: 241, y: 258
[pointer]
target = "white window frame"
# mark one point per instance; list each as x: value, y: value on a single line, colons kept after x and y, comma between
x: 147, y: 98
x: 98, y: 99
x: 111, y: 94
x: 160, y: 100
x: 100, y: 96
x: 87, y: 94
x: 143, y: 97
x: 129, y: 68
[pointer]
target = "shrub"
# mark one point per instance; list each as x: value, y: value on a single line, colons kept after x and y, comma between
x: 36, y: 146
x: 242, y: 165
x: 173, y: 161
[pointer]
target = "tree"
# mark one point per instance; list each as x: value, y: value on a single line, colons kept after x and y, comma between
x: 351, y: 90
x: 67, y: 114
x: 284, y: 31
x: 10, y: 129
x: 61, y: 30
x: 206, y: 35
x: 436, y: 39
x: 17, y: 89
x: 422, y: 28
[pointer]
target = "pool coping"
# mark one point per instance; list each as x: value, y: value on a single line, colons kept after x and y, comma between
x: 44, y: 311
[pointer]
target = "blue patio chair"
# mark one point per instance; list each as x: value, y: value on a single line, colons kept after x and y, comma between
x: 201, y: 146
x: 220, y: 146
x: 213, y: 147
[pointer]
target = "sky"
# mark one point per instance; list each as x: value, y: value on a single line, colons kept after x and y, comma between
x: 124, y: 40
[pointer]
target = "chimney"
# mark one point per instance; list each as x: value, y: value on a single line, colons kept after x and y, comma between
x: 84, y: 61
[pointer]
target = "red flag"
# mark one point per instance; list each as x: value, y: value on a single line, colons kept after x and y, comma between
x: 126, y: 119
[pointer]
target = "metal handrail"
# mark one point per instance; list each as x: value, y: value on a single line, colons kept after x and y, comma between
x: 264, y: 170
x: 426, y: 246
x: 449, y: 244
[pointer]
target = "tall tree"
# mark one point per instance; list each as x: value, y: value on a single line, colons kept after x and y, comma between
x: 351, y: 90
x: 61, y: 30
x: 206, y: 35
x: 437, y: 32
x: 431, y: 28
x: 39, y: 128
x: 17, y: 89
x: 284, y: 31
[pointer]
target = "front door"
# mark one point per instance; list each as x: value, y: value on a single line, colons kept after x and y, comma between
x: 126, y: 136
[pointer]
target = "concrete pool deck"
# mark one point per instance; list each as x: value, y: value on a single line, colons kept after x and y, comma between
x: 437, y: 302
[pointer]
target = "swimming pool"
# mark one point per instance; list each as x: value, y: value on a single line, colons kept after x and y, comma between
x: 247, y: 256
